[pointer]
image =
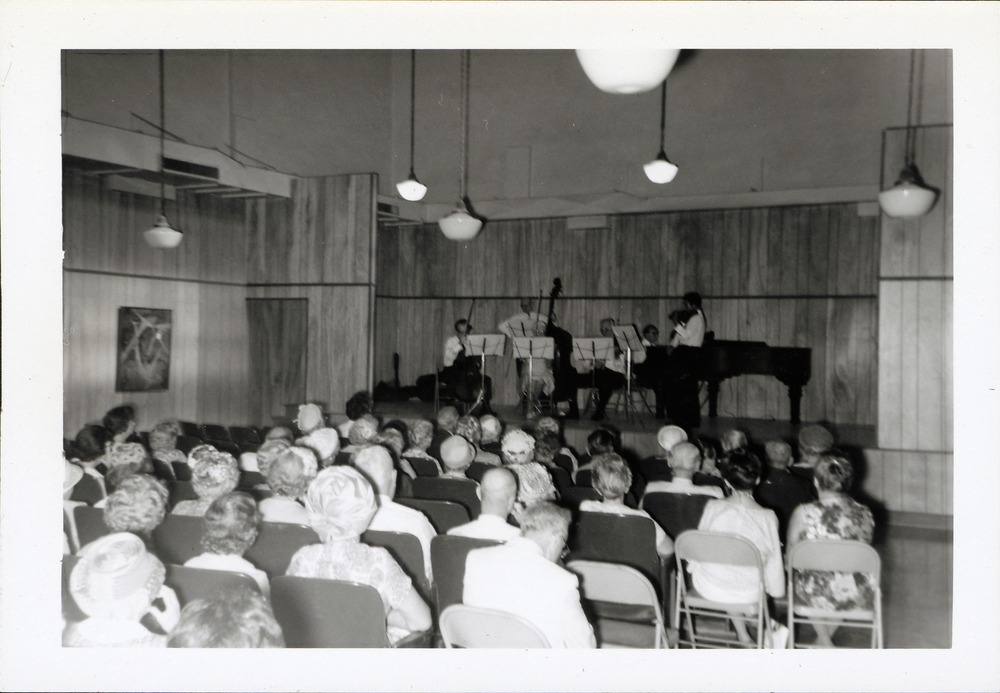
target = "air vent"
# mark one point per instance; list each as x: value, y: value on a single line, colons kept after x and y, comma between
x: 190, y: 169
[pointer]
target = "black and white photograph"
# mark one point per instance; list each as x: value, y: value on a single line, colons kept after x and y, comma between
x: 630, y: 330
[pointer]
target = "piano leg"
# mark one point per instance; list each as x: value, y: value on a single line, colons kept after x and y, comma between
x: 794, y: 399
x: 713, y: 398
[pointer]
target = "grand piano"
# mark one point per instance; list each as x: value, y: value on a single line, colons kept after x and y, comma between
x: 721, y: 359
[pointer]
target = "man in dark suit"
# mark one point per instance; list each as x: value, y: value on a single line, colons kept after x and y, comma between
x: 782, y: 491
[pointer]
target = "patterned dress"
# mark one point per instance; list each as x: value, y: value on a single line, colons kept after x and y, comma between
x: 838, y: 517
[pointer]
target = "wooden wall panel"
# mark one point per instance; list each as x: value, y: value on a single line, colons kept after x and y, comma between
x: 910, y: 481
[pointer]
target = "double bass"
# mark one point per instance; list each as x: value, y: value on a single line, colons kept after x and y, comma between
x: 467, y: 384
x: 562, y: 370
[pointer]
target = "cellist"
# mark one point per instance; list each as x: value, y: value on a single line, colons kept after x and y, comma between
x: 461, y: 373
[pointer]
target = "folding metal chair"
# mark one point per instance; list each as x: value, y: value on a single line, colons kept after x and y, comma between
x: 448, y: 554
x: 675, y: 512
x: 443, y: 514
x: 841, y: 556
x: 625, y: 605
x: 314, y: 612
x: 472, y: 626
x: 727, y: 549
x: 202, y: 583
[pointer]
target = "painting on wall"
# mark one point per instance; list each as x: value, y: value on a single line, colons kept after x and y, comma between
x: 143, y: 349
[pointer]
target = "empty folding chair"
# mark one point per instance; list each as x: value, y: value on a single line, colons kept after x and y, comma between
x: 202, y: 583
x: 472, y: 626
x: 443, y: 514
x: 448, y: 556
x: 178, y: 538
x: 725, y: 549
x: 461, y: 491
x: 276, y: 543
x: 624, y: 602
x: 839, y: 556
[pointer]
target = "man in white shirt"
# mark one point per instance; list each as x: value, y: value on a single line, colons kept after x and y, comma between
x: 498, y: 491
x: 690, y: 332
x: 527, y: 323
x: 682, y: 377
x: 609, y: 375
x: 521, y: 577
x: 375, y: 462
x: 685, y: 459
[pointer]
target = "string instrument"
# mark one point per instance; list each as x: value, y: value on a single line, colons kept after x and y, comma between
x: 681, y: 316
x: 563, y: 340
x: 467, y: 385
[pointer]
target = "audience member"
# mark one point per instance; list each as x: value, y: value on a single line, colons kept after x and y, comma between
x: 324, y: 442
x: 534, y: 483
x: 457, y: 454
x: 88, y: 450
x: 133, y: 454
x: 375, y: 463
x: 733, y: 439
x: 492, y: 428
x: 359, y: 404
x: 522, y: 577
x: 341, y: 504
x: 120, y: 423
x: 115, y: 583
x: 471, y: 429
x: 420, y: 435
x: 834, y: 516
x: 497, y: 491
x: 612, y: 480
x: 310, y: 418
x: 232, y: 523
x: 280, y: 433
x: 739, y: 514
x: 814, y: 442
x: 241, y: 618
x: 163, y: 445
x: 549, y: 424
x: 138, y: 505
x: 685, y: 461
x: 781, y: 491
x: 288, y: 475
x: 657, y: 467
x: 599, y: 442
x: 447, y: 420
x: 214, y: 474
x: 362, y: 433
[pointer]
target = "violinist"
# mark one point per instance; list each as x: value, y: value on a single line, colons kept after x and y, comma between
x: 689, y: 323
x: 682, y: 380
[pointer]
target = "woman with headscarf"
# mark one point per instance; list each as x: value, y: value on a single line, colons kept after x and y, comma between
x: 534, y: 483
x: 341, y: 504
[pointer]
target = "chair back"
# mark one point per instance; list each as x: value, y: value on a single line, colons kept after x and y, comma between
x: 584, y: 477
x: 613, y: 582
x: 407, y: 552
x: 88, y: 490
x: 244, y: 434
x: 443, y: 514
x: 276, y: 543
x: 250, y: 479
x: 675, y: 512
x: 223, y: 445
x: 655, y: 469
x: 717, y: 547
x: 563, y: 461
x: 422, y: 466
x: 202, y: 583
x: 182, y: 472
x: 212, y: 432
x: 315, y: 612
x: 189, y: 428
x: 472, y: 626
x: 186, y: 443
x: 181, y: 491
x: 476, y: 471
x: 626, y: 539
x: 835, y: 555
x: 561, y: 479
x: 178, y: 538
x: 624, y: 602
x: 572, y: 496
x: 164, y: 471
x: 461, y: 491
x: 448, y: 554
x: 89, y: 524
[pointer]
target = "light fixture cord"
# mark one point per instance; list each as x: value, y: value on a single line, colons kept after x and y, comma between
x: 463, y: 181
x: 911, y: 135
x: 663, y: 116
x: 413, y: 103
x: 163, y: 124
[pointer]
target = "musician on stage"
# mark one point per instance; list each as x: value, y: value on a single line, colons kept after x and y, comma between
x: 689, y: 327
x: 523, y: 324
x: 651, y: 374
x: 462, y: 371
x: 609, y: 375
x: 684, y: 407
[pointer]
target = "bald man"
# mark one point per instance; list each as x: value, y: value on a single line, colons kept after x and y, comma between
x: 497, y: 491
x: 685, y: 459
x: 375, y: 462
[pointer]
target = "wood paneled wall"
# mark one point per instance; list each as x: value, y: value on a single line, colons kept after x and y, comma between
x: 319, y: 246
x: 108, y: 265
x: 794, y: 276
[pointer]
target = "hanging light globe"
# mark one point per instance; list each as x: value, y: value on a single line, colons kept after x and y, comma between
x: 460, y: 225
x: 626, y: 71
x: 162, y: 236
x: 909, y: 197
x: 660, y: 170
x: 411, y: 189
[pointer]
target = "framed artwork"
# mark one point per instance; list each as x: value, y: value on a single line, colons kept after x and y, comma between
x: 143, y: 349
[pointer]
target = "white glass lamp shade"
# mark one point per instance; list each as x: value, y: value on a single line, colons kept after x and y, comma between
x: 909, y: 197
x: 411, y: 189
x: 162, y: 236
x: 660, y: 170
x: 625, y: 71
x: 460, y: 225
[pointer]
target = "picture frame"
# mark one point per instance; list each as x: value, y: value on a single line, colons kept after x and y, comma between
x: 143, y: 349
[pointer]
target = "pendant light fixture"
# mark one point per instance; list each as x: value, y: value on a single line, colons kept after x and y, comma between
x: 460, y: 225
x: 411, y: 189
x: 626, y: 71
x: 661, y: 170
x: 161, y: 235
x: 910, y: 197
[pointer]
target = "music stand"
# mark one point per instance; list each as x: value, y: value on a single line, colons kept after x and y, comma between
x: 525, y: 327
x: 592, y: 349
x: 532, y: 348
x: 629, y: 342
x: 483, y: 345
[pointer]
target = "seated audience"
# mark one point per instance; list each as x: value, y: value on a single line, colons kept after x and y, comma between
x: 534, y: 483
x: 549, y: 424
x: 457, y: 454
x: 814, y: 442
x: 242, y: 618
x: 288, y: 475
x: 781, y: 491
x: 447, y: 420
x: 214, y: 474
x: 359, y: 404
x: 733, y: 439
x: 685, y: 461
x: 341, y: 504
x: 363, y: 432
x: 280, y: 433
x: 132, y: 454
x: 834, y: 516
x: 546, y: 448
x: 491, y: 428
x: 471, y: 429
x: 138, y: 505
x: 741, y: 515
x: 232, y: 523
x: 523, y: 578
x: 89, y: 448
x: 309, y: 418
x: 115, y: 583
x: 163, y: 444
x: 272, y: 445
x: 120, y: 423
x: 324, y: 442
x: 375, y: 463
x: 420, y: 435
x: 599, y: 442
x: 394, y: 441
x: 612, y: 480
x: 498, y: 491
x: 657, y: 467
